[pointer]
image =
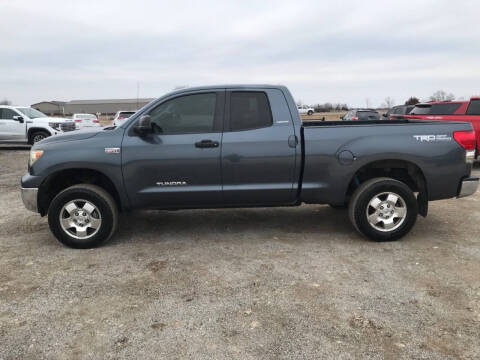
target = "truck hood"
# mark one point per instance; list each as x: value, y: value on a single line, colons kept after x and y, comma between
x: 50, y: 119
x: 72, y: 135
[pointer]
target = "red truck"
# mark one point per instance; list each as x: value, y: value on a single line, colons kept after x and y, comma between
x: 467, y: 111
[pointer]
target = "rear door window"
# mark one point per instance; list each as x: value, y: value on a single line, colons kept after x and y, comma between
x: 249, y: 110
x: 444, y: 109
x: 368, y: 115
x: 421, y: 110
x: 474, y: 108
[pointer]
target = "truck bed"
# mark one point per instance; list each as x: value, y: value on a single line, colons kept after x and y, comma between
x: 339, y: 149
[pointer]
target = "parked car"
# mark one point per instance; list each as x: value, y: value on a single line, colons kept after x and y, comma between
x: 85, y: 120
x: 23, y: 124
x: 305, y: 109
x: 361, y: 115
x: 468, y: 111
x: 245, y: 146
x: 397, y: 112
x: 121, y: 116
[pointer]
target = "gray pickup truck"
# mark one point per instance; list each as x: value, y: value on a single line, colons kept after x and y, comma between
x: 245, y: 146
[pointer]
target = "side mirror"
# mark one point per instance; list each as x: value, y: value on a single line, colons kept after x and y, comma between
x: 18, y: 118
x: 144, y: 125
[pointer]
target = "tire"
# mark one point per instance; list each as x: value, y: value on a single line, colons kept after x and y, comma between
x: 376, y: 197
x: 310, y: 112
x: 38, y: 136
x: 74, y: 206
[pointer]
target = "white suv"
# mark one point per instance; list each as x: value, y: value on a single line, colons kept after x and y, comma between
x: 305, y: 109
x: 85, y: 120
x: 121, y: 116
x: 27, y: 125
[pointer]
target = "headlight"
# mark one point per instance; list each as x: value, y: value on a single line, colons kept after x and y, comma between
x: 54, y: 125
x: 34, y: 156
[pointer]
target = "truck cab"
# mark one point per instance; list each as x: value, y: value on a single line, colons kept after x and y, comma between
x: 23, y: 124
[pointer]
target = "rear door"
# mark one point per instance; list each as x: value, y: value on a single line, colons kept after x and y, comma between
x: 258, y: 149
x: 178, y: 165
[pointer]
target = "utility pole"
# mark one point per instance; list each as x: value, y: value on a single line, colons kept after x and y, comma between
x: 138, y: 91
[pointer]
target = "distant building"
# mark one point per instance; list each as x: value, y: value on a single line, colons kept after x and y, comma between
x: 104, y: 107
x: 51, y: 107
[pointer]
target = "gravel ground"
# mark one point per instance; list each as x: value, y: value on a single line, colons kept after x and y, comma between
x: 277, y: 283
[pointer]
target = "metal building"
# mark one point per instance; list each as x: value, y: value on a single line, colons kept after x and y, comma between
x: 51, y: 107
x: 103, y: 106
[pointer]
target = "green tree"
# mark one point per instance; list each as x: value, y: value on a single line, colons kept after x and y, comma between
x: 412, y: 101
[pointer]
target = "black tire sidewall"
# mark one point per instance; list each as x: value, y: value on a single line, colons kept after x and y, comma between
x: 106, y: 213
x: 385, y: 186
x: 44, y: 133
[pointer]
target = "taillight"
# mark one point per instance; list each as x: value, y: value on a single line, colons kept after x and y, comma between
x: 78, y: 120
x: 466, y: 139
x: 95, y: 120
x: 355, y: 118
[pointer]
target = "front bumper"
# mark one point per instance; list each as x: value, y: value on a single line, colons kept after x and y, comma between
x: 29, y: 198
x: 468, y: 187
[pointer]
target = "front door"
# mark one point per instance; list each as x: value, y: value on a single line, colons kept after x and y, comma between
x: 178, y: 164
x: 11, y: 129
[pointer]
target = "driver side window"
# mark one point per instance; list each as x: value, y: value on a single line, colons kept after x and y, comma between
x: 7, y: 114
x: 185, y: 114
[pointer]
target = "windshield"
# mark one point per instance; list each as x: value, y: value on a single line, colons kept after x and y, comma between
x: 31, y: 113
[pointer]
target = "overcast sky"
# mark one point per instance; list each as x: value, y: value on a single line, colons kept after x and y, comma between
x: 336, y: 51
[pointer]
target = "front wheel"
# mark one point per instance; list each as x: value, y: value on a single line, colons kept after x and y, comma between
x: 83, y: 216
x: 383, y: 209
x: 38, y: 136
x: 310, y: 112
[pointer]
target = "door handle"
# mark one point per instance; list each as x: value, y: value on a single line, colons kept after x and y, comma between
x: 292, y: 141
x: 207, y: 144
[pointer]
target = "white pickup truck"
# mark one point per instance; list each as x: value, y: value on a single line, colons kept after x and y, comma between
x: 305, y: 109
x: 23, y: 124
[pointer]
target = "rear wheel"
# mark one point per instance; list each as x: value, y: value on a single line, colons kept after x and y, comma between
x: 383, y: 209
x: 83, y: 216
x: 38, y: 136
x: 310, y: 112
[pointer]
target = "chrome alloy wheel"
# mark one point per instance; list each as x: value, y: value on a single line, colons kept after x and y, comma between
x: 80, y: 219
x: 386, y: 211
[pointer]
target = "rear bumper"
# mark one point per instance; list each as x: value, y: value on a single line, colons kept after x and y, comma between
x: 29, y: 198
x: 468, y: 187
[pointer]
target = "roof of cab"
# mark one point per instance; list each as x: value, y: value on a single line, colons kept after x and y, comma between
x: 227, y: 87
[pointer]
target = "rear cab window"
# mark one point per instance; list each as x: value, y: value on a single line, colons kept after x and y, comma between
x: 423, y: 109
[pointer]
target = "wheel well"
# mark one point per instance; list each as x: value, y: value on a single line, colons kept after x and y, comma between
x: 401, y: 170
x: 63, y: 179
x: 33, y: 130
